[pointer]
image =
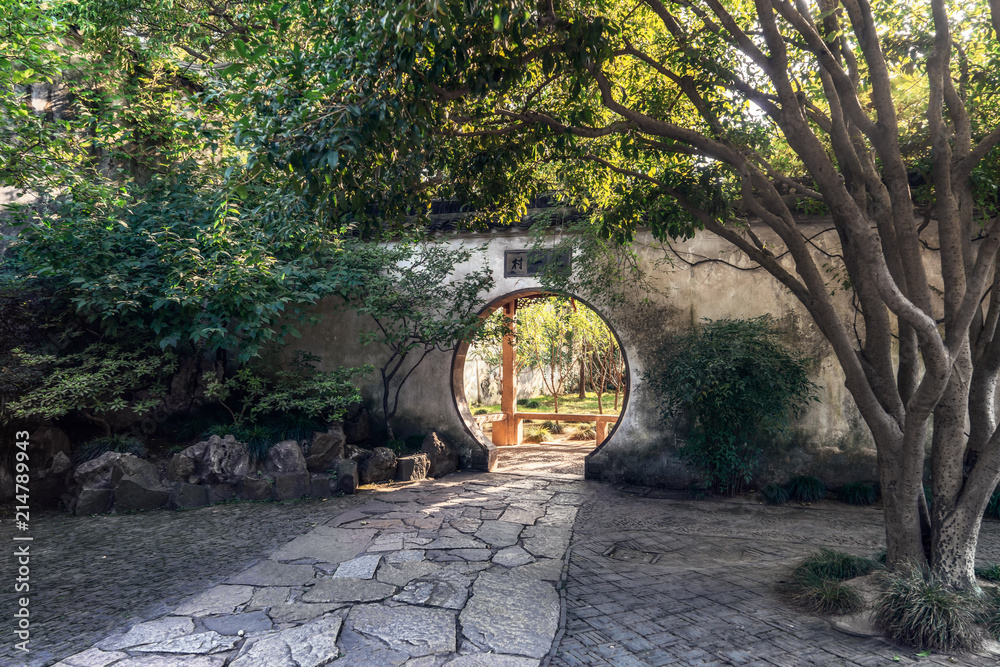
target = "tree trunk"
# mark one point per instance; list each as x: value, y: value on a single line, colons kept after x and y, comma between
x: 583, y: 380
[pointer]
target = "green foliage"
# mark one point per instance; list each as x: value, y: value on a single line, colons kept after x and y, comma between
x: 481, y: 411
x: 297, y: 391
x: 836, y: 565
x: 991, y: 572
x: 918, y: 610
x: 419, y: 302
x: 533, y: 404
x: 101, y: 380
x: 584, y: 432
x: 859, y: 493
x: 774, y: 493
x: 122, y: 444
x: 177, y: 262
x: 806, y: 488
x: 739, y: 387
x: 826, y: 596
x: 817, y: 582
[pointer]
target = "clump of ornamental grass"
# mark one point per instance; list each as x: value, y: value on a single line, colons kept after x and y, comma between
x: 991, y: 572
x: 553, y: 426
x: 920, y: 611
x: 806, y: 489
x: 774, y: 493
x: 536, y: 433
x: 836, y: 565
x: 859, y: 493
x: 119, y: 443
x: 826, y: 596
x: 584, y: 432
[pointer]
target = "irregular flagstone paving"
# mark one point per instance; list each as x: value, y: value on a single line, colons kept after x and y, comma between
x: 512, y: 570
x: 457, y: 571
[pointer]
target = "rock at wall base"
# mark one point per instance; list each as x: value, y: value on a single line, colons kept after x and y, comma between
x: 325, y: 449
x: 442, y: 454
x: 188, y: 496
x: 412, y: 468
x: 291, y: 486
x: 347, y: 477
x: 379, y: 467
x: 92, y: 501
x: 319, y: 486
x: 254, y: 488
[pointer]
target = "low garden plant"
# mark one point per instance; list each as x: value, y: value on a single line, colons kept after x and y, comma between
x: 739, y: 386
x: 774, y: 493
x: 806, y: 489
x: 859, y: 493
x: 818, y: 582
x: 918, y: 610
x: 536, y: 433
x: 119, y: 443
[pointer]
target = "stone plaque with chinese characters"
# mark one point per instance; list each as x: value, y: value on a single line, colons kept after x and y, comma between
x: 517, y: 263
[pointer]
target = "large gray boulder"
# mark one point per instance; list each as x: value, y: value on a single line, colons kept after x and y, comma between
x: 412, y: 468
x: 96, y: 473
x: 285, y: 457
x: 216, y: 461
x: 325, y: 449
x: 442, y: 455
x: 137, y: 485
x: 378, y: 467
x: 355, y: 453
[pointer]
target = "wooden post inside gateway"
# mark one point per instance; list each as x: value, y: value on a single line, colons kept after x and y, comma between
x: 510, y: 430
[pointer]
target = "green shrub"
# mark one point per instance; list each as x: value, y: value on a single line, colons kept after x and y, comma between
x: 258, y: 391
x: 920, y: 611
x: 584, y: 432
x: 806, y: 489
x: 835, y: 565
x: 122, y: 444
x: 553, y: 426
x: 294, y: 426
x: 775, y: 494
x: 991, y: 572
x: 827, y: 596
x: 536, y: 433
x: 993, y: 507
x: 523, y: 402
x: 481, y: 411
x: 533, y: 404
x: 859, y: 493
x: 739, y: 387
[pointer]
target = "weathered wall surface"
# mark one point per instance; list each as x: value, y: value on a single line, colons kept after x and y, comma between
x: 829, y: 440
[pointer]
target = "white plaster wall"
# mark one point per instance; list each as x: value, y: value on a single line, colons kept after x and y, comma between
x: 830, y: 437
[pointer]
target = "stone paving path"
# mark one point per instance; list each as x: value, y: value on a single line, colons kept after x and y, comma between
x: 502, y: 569
x: 458, y: 571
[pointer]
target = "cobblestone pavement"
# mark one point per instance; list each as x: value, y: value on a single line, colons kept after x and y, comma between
x: 661, y: 581
x: 93, y: 575
x: 503, y: 569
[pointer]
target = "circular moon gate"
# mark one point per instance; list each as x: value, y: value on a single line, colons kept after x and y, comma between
x: 506, y: 425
